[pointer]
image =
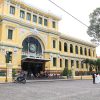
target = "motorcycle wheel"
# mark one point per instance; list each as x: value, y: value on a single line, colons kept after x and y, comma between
x: 24, y: 81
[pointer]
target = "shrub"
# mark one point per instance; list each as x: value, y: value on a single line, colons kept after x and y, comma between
x: 67, y: 72
x: 13, y: 73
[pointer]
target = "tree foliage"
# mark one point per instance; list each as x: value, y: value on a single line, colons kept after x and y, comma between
x: 94, y: 28
x: 94, y: 64
x: 98, y: 65
x: 66, y: 72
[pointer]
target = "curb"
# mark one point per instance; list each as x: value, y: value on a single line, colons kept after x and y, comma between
x: 41, y: 80
x: 49, y: 80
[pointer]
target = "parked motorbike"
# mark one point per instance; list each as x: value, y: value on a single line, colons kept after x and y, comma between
x: 20, y: 79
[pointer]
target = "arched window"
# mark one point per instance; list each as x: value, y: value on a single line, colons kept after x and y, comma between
x: 60, y: 62
x: 54, y: 61
x: 81, y: 51
x: 89, y: 52
x: 65, y: 47
x: 59, y: 45
x: 85, y: 51
x: 32, y: 45
x: 66, y: 63
x: 77, y: 64
x: 93, y: 53
x: 72, y: 63
x: 82, y: 65
x: 54, y: 43
x: 71, y: 48
x: 76, y: 49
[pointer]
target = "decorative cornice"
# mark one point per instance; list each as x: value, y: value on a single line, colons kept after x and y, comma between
x: 62, y: 55
x: 36, y: 10
x: 9, y: 45
x: 62, y: 36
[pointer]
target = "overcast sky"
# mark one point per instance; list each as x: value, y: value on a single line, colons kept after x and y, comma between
x: 78, y: 8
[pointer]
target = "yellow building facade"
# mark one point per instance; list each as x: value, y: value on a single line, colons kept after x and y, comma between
x: 29, y: 37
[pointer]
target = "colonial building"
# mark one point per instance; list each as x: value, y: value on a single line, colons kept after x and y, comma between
x: 30, y: 40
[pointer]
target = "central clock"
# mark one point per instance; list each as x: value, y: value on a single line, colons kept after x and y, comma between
x: 32, y: 48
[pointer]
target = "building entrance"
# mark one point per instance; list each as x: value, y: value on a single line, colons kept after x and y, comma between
x: 33, y: 61
x: 34, y: 67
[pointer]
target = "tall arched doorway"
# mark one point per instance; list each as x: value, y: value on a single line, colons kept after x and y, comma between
x: 32, y: 56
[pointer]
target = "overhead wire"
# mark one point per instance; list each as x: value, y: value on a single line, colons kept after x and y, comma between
x: 67, y: 13
x: 72, y: 17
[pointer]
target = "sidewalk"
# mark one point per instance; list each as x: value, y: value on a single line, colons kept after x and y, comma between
x: 39, y: 80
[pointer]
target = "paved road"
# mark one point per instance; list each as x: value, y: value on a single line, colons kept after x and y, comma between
x: 51, y: 90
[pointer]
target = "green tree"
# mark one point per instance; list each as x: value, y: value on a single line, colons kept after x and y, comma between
x: 67, y: 72
x: 92, y: 64
x: 94, y: 28
x: 98, y: 65
x: 86, y: 61
x: 13, y: 73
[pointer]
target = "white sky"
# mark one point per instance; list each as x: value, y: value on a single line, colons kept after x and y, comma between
x: 78, y: 8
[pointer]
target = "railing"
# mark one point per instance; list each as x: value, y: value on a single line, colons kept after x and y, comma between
x: 34, y: 55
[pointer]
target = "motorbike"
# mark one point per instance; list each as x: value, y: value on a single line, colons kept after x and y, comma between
x: 20, y: 79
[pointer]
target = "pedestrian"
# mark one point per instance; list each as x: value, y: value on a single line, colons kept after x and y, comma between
x: 93, y: 76
x: 97, y: 78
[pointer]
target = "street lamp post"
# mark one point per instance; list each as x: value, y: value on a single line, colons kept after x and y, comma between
x: 6, y: 60
x: 6, y: 80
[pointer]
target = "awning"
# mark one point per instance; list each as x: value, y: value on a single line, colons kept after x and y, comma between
x: 35, y: 60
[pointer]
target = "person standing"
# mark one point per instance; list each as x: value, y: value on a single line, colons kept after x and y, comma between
x: 93, y: 76
x: 97, y: 78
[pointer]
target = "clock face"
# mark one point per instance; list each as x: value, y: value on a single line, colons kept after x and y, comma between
x: 32, y: 48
